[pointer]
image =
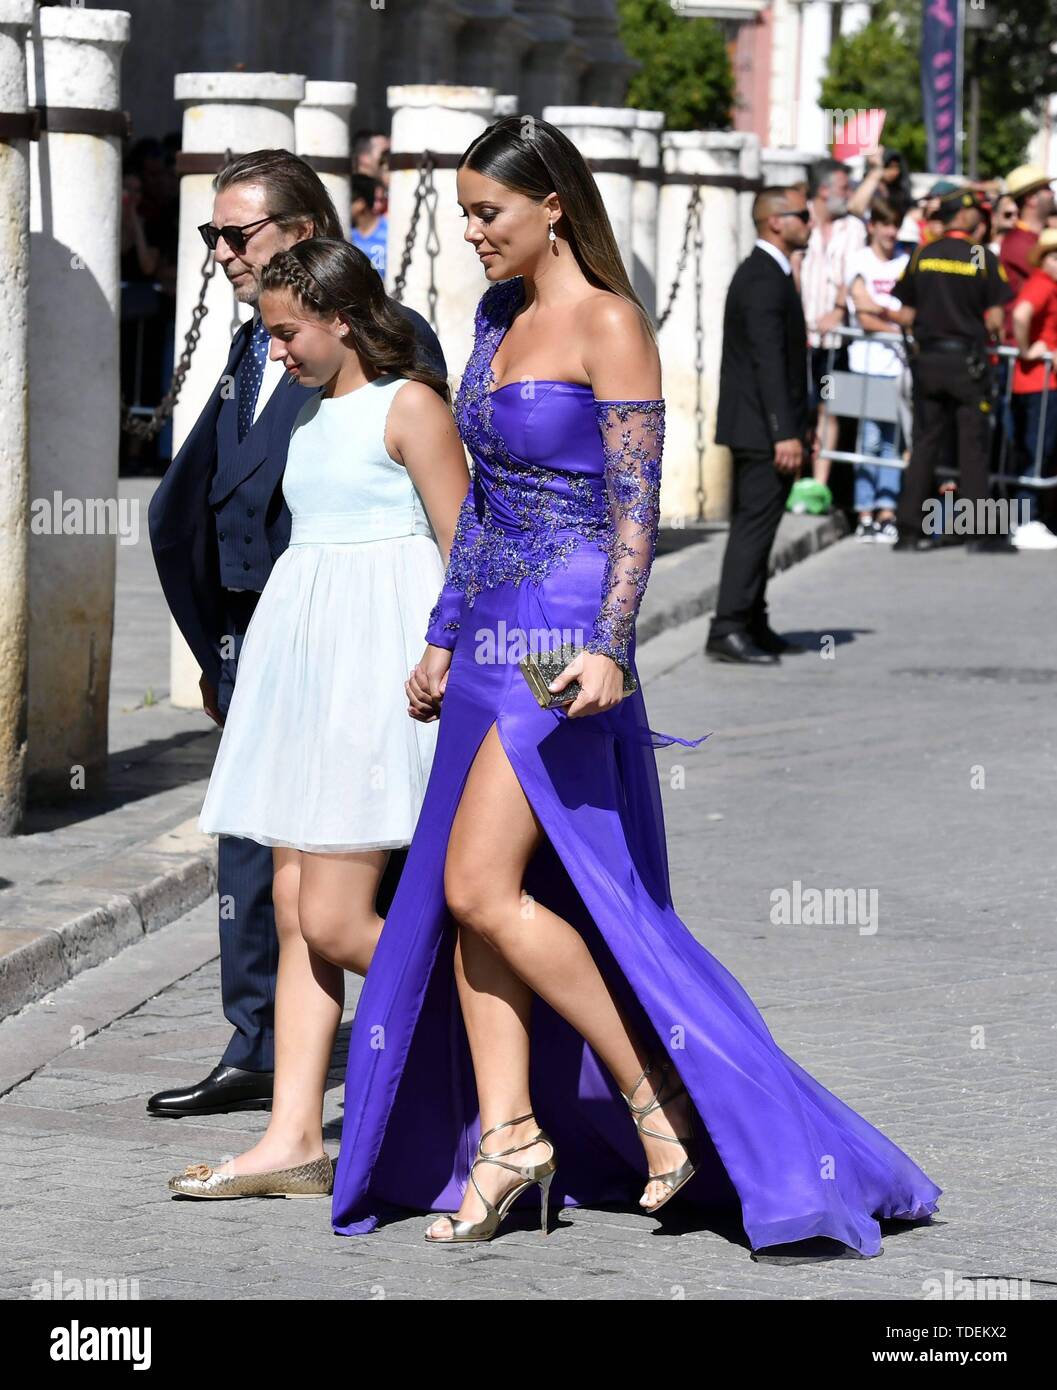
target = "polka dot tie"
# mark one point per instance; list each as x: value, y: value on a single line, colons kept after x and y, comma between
x: 251, y: 376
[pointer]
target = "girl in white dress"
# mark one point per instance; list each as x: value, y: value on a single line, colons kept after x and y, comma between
x: 318, y: 757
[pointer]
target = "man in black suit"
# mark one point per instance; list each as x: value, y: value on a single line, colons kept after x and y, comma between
x: 762, y: 417
x: 218, y: 522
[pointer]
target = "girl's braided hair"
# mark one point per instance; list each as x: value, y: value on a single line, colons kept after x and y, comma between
x: 331, y: 277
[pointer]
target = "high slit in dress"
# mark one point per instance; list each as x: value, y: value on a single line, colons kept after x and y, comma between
x: 554, y: 543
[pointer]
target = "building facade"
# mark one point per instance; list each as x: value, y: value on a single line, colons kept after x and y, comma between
x: 780, y: 51
x: 547, y: 52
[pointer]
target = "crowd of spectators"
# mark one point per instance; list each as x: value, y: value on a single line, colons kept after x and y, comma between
x: 861, y: 241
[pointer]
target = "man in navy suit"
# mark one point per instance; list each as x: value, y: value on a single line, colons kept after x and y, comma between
x: 218, y: 522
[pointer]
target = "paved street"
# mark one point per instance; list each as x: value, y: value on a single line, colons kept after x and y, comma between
x: 917, y: 760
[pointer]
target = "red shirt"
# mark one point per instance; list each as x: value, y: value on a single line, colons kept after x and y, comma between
x: 1013, y: 256
x: 1041, y: 293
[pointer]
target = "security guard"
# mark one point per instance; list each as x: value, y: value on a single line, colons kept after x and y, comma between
x: 952, y: 290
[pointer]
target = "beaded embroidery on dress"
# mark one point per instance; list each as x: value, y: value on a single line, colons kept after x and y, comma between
x: 523, y: 519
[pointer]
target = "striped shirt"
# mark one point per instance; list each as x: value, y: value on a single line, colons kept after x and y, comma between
x: 824, y: 273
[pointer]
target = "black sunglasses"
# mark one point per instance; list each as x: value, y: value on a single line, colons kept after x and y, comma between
x: 235, y: 237
x: 803, y: 213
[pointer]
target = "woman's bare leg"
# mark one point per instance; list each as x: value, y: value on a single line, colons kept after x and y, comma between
x: 494, y: 835
x: 310, y: 991
x: 335, y: 906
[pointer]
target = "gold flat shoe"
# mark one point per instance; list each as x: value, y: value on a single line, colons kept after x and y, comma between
x: 678, y: 1177
x: 315, y: 1179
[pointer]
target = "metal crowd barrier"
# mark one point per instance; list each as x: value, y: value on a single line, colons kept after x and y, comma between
x: 887, y: 399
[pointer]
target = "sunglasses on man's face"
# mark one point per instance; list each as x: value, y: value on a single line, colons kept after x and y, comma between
x: 235, y: 237
x: 803, y: 213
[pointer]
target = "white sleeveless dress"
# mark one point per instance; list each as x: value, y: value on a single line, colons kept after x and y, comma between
x: 318, y: 751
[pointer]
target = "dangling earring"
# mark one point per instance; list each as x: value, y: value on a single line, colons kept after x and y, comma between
x: 553, y: 239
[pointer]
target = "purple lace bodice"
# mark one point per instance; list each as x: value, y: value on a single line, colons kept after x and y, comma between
x: 552, y: 467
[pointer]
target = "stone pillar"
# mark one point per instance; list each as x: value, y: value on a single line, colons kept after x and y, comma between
x: 604, y: 133
x: 782, y: 168
x: 74, y: 60
x: 445, y: 120
x: 321, y: 130
x: 423, y: 37
x: 607, y: 69
x: 815, y: 35
x: 748, y: 156
x: 16, y: 16
x: 645, y: 201
x: 489, y: 46
x: 240, y: 112
x: 553, y: 61
x: 730, y: 155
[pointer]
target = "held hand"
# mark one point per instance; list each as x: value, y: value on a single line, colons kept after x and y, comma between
x: 833, y: 319
x: 209, y: 701
x: 788, y: 455
x: 1037, y: 351
x: 601, y: 681
x: 427, y: 682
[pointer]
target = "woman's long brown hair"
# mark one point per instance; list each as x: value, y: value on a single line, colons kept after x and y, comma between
x: 533, y: 157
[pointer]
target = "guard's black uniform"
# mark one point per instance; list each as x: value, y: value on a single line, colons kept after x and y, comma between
x: 950, y: 282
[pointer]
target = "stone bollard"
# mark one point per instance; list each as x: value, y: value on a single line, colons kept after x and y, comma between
x: 697, y: 472
x: 781, y: 168
x: 603, y: 135
x: 16, y: 16
x: 74, y: 62
x: 645, y: 203
x: 240, y: 112
x: 321, y: 129
x: 446, y: 287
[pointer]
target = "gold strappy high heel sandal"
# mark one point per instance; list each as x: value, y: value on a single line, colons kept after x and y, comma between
x: 541, y: 1173
x: 680, y: 1176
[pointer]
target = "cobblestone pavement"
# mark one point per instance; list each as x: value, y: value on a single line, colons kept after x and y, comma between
x: 910, y: 750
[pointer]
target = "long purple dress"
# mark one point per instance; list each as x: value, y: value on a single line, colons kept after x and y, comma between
x: 556, y: 535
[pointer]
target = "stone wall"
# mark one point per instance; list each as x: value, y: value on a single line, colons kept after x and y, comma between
x: 549, y: 52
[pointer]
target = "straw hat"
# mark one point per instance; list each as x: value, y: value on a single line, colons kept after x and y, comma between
x: 1046, y: 243
x: 1026, y: 178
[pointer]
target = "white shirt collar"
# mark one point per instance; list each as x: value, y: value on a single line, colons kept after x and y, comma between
x: 779, y: 256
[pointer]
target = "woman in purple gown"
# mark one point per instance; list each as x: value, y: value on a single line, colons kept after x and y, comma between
x: 533, y: 982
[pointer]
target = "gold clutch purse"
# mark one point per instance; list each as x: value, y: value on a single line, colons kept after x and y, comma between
x: 541, y: 668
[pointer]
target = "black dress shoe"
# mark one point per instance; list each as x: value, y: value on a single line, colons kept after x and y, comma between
x: 991, y: 545
x: 739, y: 646
x: 913, y: 543
x: 225, y: 1088
x: 769, y: 641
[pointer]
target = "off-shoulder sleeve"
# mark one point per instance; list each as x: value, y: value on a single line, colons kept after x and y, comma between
x: 633, y: 442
